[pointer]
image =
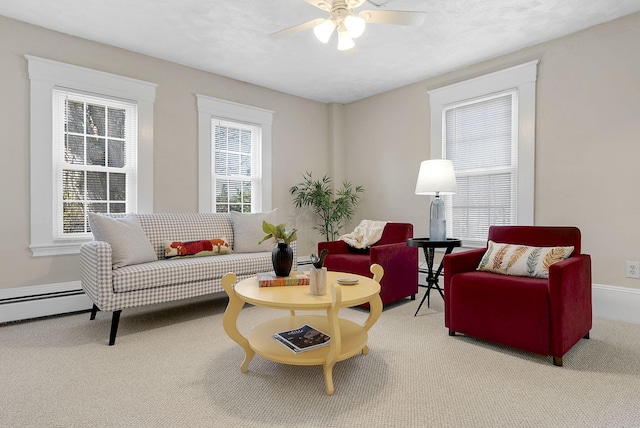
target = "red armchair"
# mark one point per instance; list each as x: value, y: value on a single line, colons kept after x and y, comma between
x: 544, y: 316
x: 400, y: 262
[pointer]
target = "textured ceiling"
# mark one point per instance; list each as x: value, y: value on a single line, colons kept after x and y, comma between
x: 230, y: 38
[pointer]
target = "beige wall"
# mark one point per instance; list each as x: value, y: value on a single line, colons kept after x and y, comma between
x: 587, y: 142
x: 300, y: 135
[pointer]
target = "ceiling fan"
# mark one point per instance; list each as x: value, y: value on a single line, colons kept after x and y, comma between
x: 349, y: 25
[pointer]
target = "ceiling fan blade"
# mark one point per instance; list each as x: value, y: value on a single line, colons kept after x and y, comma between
x: 320, y: 4
x: 296, y: 28
x: 397, y: 17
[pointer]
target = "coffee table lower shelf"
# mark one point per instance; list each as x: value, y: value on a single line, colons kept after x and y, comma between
x: 353, y: 339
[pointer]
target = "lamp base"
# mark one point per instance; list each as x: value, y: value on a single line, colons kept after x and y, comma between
x: 437, y: 221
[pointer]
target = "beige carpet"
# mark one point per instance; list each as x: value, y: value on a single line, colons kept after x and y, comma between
x: 173, y: 366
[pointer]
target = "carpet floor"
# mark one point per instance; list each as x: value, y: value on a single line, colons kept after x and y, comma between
x: 174, y: 366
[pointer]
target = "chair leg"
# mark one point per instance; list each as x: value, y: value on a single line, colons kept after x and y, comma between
x: 557, y: 361
x: 413, y: 297
x: 452, y: 333
x: 94, y: 311
x: 586, y: 336
x: 114, y: 327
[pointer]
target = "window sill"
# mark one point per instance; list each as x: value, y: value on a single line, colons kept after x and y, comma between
x: 56, y: 249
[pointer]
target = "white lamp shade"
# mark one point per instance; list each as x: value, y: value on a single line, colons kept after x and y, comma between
x: 324, y: 30
x: 355, y: 25
x: 345, y: 42
x: 436, y: 176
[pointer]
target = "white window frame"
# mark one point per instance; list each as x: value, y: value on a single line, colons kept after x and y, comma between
x: 521, y: 78
x: 45, y: 75
x: 210, y: 108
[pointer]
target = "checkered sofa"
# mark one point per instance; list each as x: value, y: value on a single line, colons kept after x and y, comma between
x: 165, y: 280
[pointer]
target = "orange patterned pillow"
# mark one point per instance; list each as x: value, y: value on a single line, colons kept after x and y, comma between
x: 208, y: 247
x: 522, y: 260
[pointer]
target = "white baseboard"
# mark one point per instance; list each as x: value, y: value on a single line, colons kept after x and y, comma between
x: 42, y: 300
x: 616, y: 303
x: 609, y: 302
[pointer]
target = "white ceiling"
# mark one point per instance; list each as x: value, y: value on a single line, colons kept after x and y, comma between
x: 230, y: 38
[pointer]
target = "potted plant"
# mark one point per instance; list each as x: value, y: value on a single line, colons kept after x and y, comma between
x: 333, y: 209
x: 282, y: 254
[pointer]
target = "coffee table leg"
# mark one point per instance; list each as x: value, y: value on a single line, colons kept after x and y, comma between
x: 230, y: 318
x: 336, y: 338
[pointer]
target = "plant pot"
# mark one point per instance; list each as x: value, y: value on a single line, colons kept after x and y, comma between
x: 282, y: 258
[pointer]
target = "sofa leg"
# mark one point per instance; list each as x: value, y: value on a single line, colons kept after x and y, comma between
x: 586, y: 336
x: 413, y: 297
x: 114, y: 327
x: 557, y: 361
x: 452, y: 333
x: 94, y: 311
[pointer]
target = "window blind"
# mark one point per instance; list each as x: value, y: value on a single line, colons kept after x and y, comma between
x: 481, y: 140
x: 237, y: 173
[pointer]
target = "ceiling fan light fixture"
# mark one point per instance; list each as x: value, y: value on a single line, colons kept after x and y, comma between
x: 324, y: 30
x: 345, y: 42
x: 355, y: 25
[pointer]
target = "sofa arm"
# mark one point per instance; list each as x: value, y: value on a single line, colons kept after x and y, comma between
x: 334, y: 247
x: 96, y: 272
x: 570, y: 295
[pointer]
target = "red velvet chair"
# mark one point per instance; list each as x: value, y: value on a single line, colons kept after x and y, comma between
x: 400, y: 262
x: 544, y: 316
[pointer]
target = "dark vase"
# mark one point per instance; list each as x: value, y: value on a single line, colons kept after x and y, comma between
x: 282, y: 258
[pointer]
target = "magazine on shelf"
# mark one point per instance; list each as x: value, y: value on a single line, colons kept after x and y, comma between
x: 269, y: 279
x: 302, y: 339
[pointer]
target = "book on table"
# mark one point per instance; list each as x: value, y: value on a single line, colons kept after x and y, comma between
x: 269, y: 279
x: 302, y: 339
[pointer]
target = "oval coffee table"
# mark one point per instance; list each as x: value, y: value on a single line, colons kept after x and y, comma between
x: 347, y: 337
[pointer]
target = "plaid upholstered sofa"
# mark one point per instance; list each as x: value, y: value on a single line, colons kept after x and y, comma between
x: 113, y: 287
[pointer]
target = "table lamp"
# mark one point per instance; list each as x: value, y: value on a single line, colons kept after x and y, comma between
x: 436, y: 177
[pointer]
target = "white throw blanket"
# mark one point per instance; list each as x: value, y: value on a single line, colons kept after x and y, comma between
x: 367, y: 233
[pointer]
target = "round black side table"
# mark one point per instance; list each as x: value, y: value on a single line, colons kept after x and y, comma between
x: 429, y: 248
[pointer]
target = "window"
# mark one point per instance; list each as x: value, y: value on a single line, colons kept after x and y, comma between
x: 485, y: 126
x: 236, y: 172
x: 234, y: 156
x: 91, y: 150
x: 94, y: 158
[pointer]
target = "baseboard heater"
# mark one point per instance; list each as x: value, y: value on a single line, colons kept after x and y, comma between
x: 42, y: 300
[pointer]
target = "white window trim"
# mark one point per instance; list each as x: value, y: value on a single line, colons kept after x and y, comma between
x: 522, y: 78
x: 209, y: 108
x: 44, y: 75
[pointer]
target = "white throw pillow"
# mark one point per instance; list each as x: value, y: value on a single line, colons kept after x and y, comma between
x: 247, y: 231
x: 129, y: 244
x: 522, y: 260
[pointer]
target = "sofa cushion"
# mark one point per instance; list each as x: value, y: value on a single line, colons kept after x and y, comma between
x: 247, y: 231
x: 521, y: 260
x: 163, y: 273
x: 201, y: 248
x: 129, y: 244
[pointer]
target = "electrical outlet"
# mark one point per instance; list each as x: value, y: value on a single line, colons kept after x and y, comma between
x: 632, y: 269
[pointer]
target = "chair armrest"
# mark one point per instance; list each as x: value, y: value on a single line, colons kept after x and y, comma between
x: 334, y: 247
x: 96, y: 272
x: 465, y: 261
x: 570, y: 295
x: 397, y: 255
